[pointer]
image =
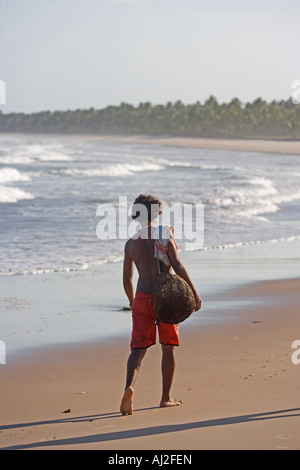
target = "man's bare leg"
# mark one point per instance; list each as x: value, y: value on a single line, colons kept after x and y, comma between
x: 168, y: 368
x: 133, y: 366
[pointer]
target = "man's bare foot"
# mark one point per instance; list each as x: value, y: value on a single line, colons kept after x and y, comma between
x: 127, y: 401
x: 170, y: 402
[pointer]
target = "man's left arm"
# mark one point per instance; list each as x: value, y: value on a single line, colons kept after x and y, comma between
x: 180, y: 269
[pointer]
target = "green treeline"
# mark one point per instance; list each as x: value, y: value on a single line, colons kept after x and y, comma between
x: 259, y: 119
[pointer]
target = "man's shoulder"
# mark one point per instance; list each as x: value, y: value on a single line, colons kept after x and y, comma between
x: 130, y: 242
x: 129, y: 245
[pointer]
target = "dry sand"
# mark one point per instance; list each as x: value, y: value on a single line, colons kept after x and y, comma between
x: 239, y: 387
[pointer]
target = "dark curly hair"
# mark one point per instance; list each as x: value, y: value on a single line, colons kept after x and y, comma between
x: 152, y: 204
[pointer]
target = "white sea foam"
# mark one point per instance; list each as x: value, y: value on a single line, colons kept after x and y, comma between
x: 252, y: 190
x: 30, y: 153
x: 13, y: 195
x: 15, y: 159
x: 8, y: 175
x: 170, y: 163
x: 228, y: 246
x: 248, y: 198
x: 119, y: 169
x: 67, y: 269
x: 289, y: 196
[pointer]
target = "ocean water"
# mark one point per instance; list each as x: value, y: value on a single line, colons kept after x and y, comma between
x: 51, y: 187
x: 57, y: 285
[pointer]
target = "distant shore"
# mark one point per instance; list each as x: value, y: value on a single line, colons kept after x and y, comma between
x: 247, y: 145
x: 270, y: 146
x: 291, y: 147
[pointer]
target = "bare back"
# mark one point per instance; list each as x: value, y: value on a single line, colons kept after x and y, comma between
x: 141, y: 251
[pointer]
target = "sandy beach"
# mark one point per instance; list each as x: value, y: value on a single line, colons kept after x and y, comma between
x: 291, y: 147
x: 237, y: 380
x: 67, y: 341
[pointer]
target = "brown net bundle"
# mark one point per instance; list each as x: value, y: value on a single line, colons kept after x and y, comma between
x: 173, y: 299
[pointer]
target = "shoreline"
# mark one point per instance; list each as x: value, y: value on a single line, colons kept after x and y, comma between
x: 239, y: 387
x: 234, y: 298
x: 48, y: 310
x: 250, y: 145
x: 291, y: 147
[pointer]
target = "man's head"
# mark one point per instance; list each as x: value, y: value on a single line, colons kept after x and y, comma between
x: 146, y: 208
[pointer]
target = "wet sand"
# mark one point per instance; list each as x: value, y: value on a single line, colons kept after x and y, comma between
x: 237, y: 381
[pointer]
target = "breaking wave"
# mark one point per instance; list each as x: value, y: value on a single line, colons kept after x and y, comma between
x: 13, y: 195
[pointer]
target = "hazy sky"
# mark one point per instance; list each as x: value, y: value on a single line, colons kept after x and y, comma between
x: 70, y: 54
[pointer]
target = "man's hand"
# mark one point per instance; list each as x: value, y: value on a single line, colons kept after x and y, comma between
x: 197, y: 302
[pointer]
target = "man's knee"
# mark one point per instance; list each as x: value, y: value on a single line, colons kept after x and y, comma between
x: 137, y: 354
x: 167, y: 347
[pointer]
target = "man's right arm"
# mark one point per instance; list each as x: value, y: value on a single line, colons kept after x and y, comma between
x: 128, y: 267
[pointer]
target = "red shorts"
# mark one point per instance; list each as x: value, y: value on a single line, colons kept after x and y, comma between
x: 144, y: 322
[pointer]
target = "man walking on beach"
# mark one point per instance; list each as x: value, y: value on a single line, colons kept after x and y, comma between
x: 139, y: 251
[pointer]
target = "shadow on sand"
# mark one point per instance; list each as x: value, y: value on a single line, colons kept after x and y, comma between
x: 140, y: 432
